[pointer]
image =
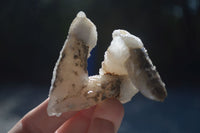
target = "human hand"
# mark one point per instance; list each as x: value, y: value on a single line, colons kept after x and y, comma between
x: 105, y: 117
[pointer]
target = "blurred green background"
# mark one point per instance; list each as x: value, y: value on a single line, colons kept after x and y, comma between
x: 32, y: 33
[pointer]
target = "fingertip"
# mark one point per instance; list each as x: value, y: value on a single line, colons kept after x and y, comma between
x: 108, y: 111
x: 81, y: 120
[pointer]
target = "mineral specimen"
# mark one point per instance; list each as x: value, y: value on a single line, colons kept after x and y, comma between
x: 126, y: 69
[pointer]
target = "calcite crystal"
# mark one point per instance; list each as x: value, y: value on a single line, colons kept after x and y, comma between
x: 126, y: 69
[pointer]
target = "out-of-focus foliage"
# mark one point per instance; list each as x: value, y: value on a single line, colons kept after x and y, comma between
x: 32, y: 33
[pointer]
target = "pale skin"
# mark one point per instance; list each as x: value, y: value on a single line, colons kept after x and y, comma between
x: 105, y: 117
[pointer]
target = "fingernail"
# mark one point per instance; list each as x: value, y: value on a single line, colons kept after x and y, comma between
x: 99, y: 125
x: 88, y: 112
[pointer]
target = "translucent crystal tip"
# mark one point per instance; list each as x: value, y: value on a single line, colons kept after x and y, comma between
x: 81, y: 14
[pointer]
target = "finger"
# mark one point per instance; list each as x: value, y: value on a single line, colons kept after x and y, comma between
x: 38, y: 120
x: 107, y: 117
x: 79, y: 123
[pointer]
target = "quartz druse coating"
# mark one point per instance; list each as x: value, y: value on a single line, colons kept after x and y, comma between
x: 126, y: 69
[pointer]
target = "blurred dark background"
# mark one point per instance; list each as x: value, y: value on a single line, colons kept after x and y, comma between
x: 33, y: 32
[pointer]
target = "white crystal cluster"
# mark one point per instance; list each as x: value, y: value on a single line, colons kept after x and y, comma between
x: 126, y: 69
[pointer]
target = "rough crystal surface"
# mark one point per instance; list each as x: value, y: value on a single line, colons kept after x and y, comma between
x: 126, y: 69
